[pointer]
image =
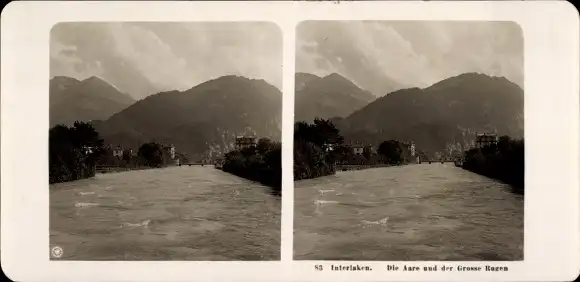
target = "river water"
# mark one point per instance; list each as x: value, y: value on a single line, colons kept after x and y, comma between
x: 413, y: 212
x: 178, y: 213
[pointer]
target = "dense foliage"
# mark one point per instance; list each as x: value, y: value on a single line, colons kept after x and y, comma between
x: 313, y: 147
x: 153, y: 155
x: 319, y: 148
x: 73, y: 152
x: 261, y: 163
x: 504, y: 161
x: 76, y: 151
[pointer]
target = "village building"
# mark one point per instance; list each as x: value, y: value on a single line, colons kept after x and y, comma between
x: 245, y: 142
x: 118, y: 152
x: 484, y: 140
x: 358, y: 149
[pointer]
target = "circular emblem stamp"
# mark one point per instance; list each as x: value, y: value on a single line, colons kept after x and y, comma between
x: 56, y: 252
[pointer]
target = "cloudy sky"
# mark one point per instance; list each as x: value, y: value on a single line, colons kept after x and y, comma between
x: 145, y: 58
x: 391, y: 54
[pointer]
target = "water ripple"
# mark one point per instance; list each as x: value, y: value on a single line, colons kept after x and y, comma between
x: 435, y: 212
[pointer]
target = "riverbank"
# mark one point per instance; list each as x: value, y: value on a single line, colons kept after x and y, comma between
x: 320, y: 150
x: 311, y: 161
x: 103, y: 170
x: 516, y: 183
x: 59, y: 173
x: 262, y: 164
x: 361, y: 167
x: 503, y: 162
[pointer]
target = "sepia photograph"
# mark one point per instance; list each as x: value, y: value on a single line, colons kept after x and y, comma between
x: 290, y: 141
x: 408, y: 141
x: 165, y: 141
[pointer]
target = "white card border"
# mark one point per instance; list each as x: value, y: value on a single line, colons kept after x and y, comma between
x: 551, y: 69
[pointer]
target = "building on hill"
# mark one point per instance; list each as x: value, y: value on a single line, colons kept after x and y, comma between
x: 412, y: 149
x: 484, y: 140
x: 358, y: 149
x: 245, y: 142
x: 118, y: 152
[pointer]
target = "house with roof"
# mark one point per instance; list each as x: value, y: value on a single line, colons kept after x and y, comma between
x: 243, y: 142
x: 118, y: 152
x: 485, y: 140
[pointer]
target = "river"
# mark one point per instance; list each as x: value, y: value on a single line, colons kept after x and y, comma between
x: 177, y: 213
x: 405, y: 213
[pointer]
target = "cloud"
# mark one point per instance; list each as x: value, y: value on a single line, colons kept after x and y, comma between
x: 145, y: 58
x: 408, y: 54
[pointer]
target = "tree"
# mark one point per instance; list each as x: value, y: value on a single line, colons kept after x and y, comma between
x: 152, y: 154
x: 264, y: 145
x: 127, y: 157
x: 327, y: 132
x: 342, y: 153
x: 321, y: 133
x: 367, y: 153
x: 302, y: 131
x: 73, y: 151
x: 504, y: 143
x: 391, y: 150
x: 84, y: 134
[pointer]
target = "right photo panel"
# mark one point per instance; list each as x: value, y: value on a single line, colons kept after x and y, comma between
x: 409, y: 141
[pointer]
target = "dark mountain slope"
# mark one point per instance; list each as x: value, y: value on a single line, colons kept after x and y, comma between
x: 202, y: 119
x: 444, y: 116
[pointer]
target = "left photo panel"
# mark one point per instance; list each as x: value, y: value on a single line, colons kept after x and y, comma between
x: 165, y: 141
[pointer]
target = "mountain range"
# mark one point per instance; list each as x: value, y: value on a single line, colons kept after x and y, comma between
x: 206, y: 118
x: 90, y: 99
x: 444, y: 117
x: 326, y: 97
x: 202, y: 120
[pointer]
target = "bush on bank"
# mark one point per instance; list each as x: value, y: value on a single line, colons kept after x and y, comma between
x: 504, y: 162
x: 261, y: 163
x: 73, y: 152
x: 313, y: 156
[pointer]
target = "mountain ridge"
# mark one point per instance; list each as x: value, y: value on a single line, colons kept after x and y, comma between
x: 202, y: 120
x: 442, y: 117
x: 328, y: 96
x: 72, y: 100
